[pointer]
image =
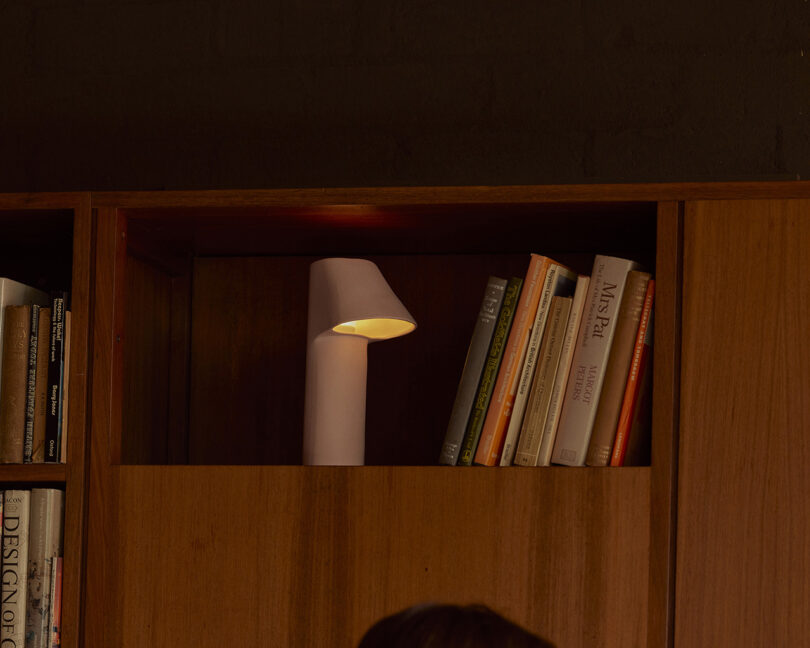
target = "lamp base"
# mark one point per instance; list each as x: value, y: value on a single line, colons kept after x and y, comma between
x: 335, y: 411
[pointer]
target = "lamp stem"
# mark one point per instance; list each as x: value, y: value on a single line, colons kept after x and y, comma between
x: 335, y: 411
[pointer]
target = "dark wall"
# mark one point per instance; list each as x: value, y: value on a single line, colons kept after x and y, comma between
x: 107, y: 94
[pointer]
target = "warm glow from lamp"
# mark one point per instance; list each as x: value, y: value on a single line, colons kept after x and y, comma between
x: 376, y: 328
x: 350, y: 305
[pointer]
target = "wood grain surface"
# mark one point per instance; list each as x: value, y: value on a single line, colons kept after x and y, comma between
x: 105, y: 415
x: 78, y: 428
x: 743, y: 564
x: 653, y: 192
x: 666, y: 384
x: 23, y: 475
x: 287, y: 556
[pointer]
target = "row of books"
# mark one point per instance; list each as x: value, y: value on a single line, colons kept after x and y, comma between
x: 33, y: 529
x: 34, y: 356
x: 558, y: 370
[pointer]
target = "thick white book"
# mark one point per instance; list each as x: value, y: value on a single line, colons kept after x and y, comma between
x: 559, y: 281
x: 14, y: 293
x: 44, y: 547
x: 16, y: 516
x: 563, y: 370
x: 590, y: 360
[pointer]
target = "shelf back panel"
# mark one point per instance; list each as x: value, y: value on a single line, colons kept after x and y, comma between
x: 327, y: 230
x: 36, y: 247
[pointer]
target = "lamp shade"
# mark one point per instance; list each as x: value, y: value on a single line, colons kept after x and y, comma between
x: 351, y: 296
x: 350, y: 305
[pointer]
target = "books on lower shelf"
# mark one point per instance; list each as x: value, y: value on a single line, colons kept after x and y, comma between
x: 34, y: 346
x: 569, y: 380
x: 32, y: 541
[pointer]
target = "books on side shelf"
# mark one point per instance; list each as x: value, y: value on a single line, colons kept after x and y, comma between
x: 32, y: 539
x: 34, y: 363
x: 558, y: 370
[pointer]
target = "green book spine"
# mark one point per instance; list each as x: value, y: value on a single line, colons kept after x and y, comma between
x: 490, y: 373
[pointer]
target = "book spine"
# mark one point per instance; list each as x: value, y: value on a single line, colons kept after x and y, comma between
x: 590, y: 360
x: 15, y: 377
x: 563, y: 369
x: 14, y: 293
x: 540, y: 398
x: 16, y: 512
x: 473, y: 367
x: 617, y: 370
x: 41, y: 398
x: 639, y: 441
x: 503, y: 396
x: 639, y: 370
x: 490, y: 372
x: 55, y: 612
x: 527, y: 373
x: 560, y: 282
x: 65, y: 398
x: 53, y: 421
x: 45, y: 545
x: 31, y: 386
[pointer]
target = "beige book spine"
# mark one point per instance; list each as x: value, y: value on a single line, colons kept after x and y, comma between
x: 618, y: 367
x: 590, y: 359
x: 15, y: 379
x: 563, y: 369
x: 16, y: 518
x: 540, y: 397
x: 44, y: 546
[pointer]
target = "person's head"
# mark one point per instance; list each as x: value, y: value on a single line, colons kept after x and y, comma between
x: 449, y: 626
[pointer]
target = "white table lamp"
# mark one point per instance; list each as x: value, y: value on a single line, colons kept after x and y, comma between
x: 350, y: 305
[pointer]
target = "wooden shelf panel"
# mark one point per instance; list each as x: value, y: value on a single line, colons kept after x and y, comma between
x: 301, y: 553
x: 743, y: 513
x: 570, y: 193
x: 32, y: 473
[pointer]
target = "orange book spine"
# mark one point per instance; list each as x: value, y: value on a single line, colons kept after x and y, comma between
x: 631, y: 390
x: 503, y: 397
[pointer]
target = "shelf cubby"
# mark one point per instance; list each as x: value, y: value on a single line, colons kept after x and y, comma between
x: 46, y: 242
x: 213, y: 304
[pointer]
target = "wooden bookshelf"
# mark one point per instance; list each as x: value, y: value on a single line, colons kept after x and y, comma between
x: 189, y: 520
x: 47, y: 242
x: 199, y: 338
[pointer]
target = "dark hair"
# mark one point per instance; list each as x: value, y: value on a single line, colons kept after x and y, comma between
x: 449, y: 626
